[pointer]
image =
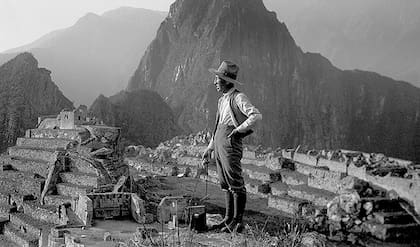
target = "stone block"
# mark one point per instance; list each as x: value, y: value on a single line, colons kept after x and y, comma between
x: 72, y: 190
x: 58, y: 232
x: 80, y: 178
x: 82, y: 165
x: 279, y: 189
x: 47, y: 213
x: 39, y: 167
x: 248, y: 154
x: 256, y: 187
x: 256, y: 172
x: 333, y: 165
x: 50, y: 155
x: 305, y: 159
x: 21, y: 183
x: 189, y: 161
x: 78, y: 135
x: 20, y: 238
x: 55, y: 241
x: 286, y: 154
x: 316, y: 196
x: 307, y: 169
x: 84, y: 209
x: 7, y: 209
x: 248, y: 161
x: 52, y: 143
x: 408, y: 189
x: 58, y: 200
x: 110, y: 204
x: 104, y: 134
x: 333, y: 181
x: 293, y: 178
x: 358, y: 172
x: 324, y: 173
x: 286, y: 204
x: 4, y: 197
x: 31, y: 225
x: 274, y: 163
x: 72, y: 241
x: 138, y: 212
x: 287, y: 164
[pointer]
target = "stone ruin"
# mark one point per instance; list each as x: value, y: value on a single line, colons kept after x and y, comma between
x: 346, y: 195
x: 59, y: 178
x: 56, y: 179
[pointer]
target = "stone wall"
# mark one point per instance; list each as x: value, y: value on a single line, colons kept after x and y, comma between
x: 84, y: 209
x: 380, y: 172
x: 110, y: 205
x: 77, y: 134
x: 20, y: 183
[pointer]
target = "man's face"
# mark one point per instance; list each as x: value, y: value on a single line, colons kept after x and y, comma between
x: 220, y: 84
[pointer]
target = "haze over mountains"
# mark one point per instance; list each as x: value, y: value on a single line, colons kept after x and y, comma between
x: 97, y: 54
x: 303, y: 97
x: 377, y: 35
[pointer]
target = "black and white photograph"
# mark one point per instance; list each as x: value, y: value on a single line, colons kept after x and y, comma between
x: 209, y: 123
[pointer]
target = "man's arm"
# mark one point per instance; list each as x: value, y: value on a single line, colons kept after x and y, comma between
x: 249, y: 110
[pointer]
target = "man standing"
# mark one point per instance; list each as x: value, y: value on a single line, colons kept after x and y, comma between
x: 235, y: 118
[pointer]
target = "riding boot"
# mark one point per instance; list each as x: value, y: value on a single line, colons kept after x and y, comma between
x: 229, y: 201
x: 239, y: 202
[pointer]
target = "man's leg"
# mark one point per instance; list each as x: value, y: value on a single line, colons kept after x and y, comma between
x: 234, y: 178
x: 220, y: 154
x: 239, y: 201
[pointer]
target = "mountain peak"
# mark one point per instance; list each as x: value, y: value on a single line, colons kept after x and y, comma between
x: 26, y: 92
x: 24, y: 59
x: 303, y: 98
x: 88, y: 18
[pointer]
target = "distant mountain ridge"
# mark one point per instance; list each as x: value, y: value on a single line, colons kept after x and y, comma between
x: 303, y: 97
x: 97, y: 54
x: 142, y: 115
x: 26, y: 92
x: 378, y: 35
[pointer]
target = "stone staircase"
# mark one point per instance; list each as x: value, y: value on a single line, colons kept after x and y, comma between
x: 24, y: 170
x: 296, y: 188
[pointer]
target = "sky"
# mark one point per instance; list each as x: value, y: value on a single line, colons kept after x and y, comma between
x: 24, y: 21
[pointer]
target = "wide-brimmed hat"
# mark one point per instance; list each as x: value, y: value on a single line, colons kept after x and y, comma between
x: 228, y: 71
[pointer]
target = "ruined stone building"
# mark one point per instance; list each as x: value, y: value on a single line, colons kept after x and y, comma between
x: 65, y: 173
x: 347, y: 195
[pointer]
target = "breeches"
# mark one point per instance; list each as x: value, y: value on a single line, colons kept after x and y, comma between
x: 228, y: 155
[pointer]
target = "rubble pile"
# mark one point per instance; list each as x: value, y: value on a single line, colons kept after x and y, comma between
x: 336, y: 191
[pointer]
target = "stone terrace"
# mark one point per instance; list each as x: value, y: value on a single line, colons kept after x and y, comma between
x: 300, y: 184
x: 42, y: 180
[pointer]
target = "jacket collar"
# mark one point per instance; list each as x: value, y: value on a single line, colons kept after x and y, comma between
x: 229, y: 92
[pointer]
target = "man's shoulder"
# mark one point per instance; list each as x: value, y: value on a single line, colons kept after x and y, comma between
x: 240, y: 95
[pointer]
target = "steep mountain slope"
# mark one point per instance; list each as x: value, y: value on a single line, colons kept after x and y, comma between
x: 377, y: 35
x: 98, y: 53
x: 26, y: 92
x: 143, y: 116
x: 303, y: 97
